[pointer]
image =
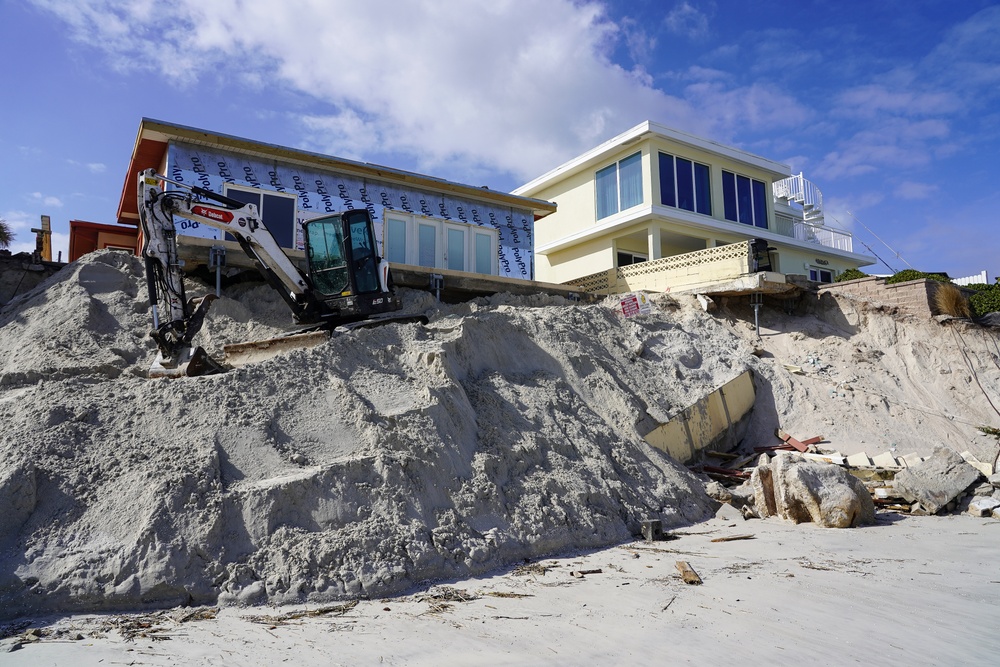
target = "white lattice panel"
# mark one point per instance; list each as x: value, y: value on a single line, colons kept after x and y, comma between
x: 688, y: 259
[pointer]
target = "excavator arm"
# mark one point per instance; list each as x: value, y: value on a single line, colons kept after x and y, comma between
x: 346, y: 280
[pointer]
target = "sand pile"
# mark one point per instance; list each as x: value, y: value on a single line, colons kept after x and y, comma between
x: 505, y: 429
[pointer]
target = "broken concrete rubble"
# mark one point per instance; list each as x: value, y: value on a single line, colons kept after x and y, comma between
x: 801, y: 491
x: 983, y: 506
x: 936, y: 482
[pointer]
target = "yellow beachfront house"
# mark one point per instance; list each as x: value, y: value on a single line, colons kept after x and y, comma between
x: 654, y: 192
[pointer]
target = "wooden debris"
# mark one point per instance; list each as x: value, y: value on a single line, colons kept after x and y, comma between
x: 504, y: 594
x: 337, y: 609
x: 733, y: 538
x: 531, y: 568
x: 579, y: 574
x: 687, y: 573
x: 789, y: 440
x: 447, y: 594
x: 720, y: 474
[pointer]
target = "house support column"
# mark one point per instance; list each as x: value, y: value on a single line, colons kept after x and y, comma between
x: 654, y: 243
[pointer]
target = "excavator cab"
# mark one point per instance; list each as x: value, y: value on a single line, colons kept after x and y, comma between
x: 340, y: 250
x: 345, y: 270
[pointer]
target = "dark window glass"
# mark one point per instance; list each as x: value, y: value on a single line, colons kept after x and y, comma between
x: 279, y: 217
x: 365, y: 262
x: 626, y: 258
x: 246, y: 197
x: 326, y: 255
x: 729, y: 195
x: 667, y: 197
x: 685, y: 185
x: 702, y: 189
x: 744, y: 200
x: 759, y: 205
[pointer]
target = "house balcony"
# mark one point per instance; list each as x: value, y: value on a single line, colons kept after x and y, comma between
x: 804, y: 221
x: 810, y: 233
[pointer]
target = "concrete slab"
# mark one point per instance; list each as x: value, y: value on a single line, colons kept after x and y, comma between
x: 937, y: 481
x: 885, y: 460
x: 859, y: 460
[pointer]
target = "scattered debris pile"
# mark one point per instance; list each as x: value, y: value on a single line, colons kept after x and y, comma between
x: 830, y: 491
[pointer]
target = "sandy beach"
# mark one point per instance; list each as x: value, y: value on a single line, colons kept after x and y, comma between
x: 906, y: 591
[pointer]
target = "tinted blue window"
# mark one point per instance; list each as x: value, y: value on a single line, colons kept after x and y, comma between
x: 703, y: 202
x: 685, y: 185
x: 729, y: 195
x: 667, y: 197
x: 744, y: 200
x: 759, y: 205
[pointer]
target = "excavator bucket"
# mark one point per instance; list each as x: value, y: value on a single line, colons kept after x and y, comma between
x: 241, y: 354
x: 191, y: 362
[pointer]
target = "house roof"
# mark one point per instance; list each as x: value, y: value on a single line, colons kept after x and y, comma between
x: 154, y: 137
x: 642, y: 131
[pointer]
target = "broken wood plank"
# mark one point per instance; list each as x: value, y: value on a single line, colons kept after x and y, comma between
x: 815, y: 440
x: 579, y: 574
x: 740, y: 462
x: 724, y: 471
x: 774, y: 448
x: 687, y: 573
x: 732, y: 538
x: 789, y: 440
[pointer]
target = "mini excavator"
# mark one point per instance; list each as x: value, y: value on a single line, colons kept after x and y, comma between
x: 346, y: 281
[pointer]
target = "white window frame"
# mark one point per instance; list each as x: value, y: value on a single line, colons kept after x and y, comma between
x: 616, y: 205
x: 816, y: 274
x: 441, y: 225
x: 297, y: 241
x: 637, y: 257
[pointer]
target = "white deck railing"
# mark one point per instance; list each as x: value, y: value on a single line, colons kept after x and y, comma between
x: 803, y: 231
x: 798, y: 189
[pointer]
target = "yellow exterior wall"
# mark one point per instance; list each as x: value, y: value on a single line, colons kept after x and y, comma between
x: 580, y: 260
x: 793, y: 261
x: 699, y: 426
x: 576, y: 198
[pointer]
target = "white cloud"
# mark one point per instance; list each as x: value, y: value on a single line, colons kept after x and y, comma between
x: 92, y: 167
x: 686, y: 19
x: 874, y: 99
x: 46, y: 200
x: 455, y: 87
x: 913, y: 190
x: 892, y: 142
x: 18, y: 221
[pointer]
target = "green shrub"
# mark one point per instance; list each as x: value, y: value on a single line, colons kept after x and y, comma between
x: 850, y: 274
x: 985, y: 301
x: 912, y: 274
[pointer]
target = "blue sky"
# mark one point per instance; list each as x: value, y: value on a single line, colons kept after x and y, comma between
x: 891, y: 107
